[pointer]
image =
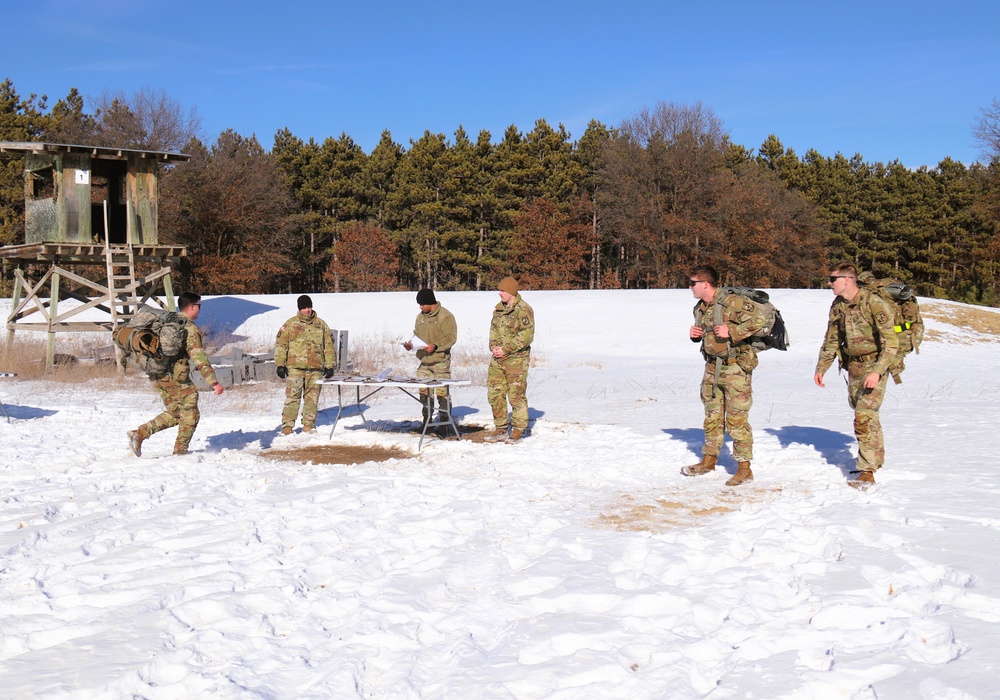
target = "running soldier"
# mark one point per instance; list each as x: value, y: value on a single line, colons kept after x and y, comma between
x: 860, y: 333
x: 511, y: 333
x: 304, y: 352
x: 176, y: 390
x: 436, y: 326
x: 726, y: 387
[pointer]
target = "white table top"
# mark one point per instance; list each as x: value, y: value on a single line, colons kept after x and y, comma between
x: 368, y: 380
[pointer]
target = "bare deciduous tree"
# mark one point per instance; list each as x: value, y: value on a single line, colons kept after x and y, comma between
x: 147, y: 119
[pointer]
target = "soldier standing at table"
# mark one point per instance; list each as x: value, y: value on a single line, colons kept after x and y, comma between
x: 304, y: 352
x: 860, y: 332
x: 436, y: 326
x: 511, y: 333
x: 176, y: 390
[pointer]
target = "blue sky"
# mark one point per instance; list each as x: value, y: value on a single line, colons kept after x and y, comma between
x: 888, y: 80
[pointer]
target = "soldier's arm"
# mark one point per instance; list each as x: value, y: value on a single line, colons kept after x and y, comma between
x: 281, y: 347
x: 449, y: 334
x: 525, y: 331
x: 745, y: 319
x: 831, y: 345
x: 196, y: 353
x: 883, y: 317
x: 329, y: 348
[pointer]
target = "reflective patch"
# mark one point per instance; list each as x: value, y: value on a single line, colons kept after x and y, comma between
x: 881, y: 318
x: 525, y: 321
x: 748, y: 306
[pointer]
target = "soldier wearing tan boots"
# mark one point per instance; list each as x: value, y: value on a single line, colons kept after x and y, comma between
x: 726, y: 389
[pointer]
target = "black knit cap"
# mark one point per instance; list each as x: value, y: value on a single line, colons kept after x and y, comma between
x: 425, y: 297
x: 305, y: 302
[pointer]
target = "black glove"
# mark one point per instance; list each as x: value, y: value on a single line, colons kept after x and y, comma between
x: 328, y: 373
x: 282, y: 372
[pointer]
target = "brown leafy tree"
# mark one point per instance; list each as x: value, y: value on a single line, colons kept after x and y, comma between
x: 549, y: 247
x: 364, y: 260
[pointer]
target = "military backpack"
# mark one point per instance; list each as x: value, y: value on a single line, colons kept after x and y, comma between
x: 153, y: 339
x: 907, y: 322
x: 773, y: 334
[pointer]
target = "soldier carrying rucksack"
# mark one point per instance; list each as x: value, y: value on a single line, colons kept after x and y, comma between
x: 727, y: 325
x: 862, y: 334
x: 174, y: 385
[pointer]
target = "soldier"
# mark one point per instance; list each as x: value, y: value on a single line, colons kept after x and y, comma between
x: 861, y: 335
x: 436, y: 326
x: 511, y: 333
x: 304, y: 352
x: 722, y: 323
x: 178, y: 392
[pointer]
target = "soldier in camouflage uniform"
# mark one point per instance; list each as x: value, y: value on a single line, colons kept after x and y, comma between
x: 861, y: 335
x: 178, y: 392
x: 726, y: 389
x: 436, y: 326
x: 511, y: 333
x: 304, y: 353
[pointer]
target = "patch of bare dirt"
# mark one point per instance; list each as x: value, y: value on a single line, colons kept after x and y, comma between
x: 978, y: 319
x: 627, y: 514
x: 338, y: 454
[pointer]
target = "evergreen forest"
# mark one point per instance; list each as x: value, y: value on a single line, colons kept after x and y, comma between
x: 626, y: 206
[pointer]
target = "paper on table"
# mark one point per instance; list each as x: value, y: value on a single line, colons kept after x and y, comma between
x: 417, y: 343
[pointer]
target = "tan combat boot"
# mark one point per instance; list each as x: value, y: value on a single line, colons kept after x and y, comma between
x: 180, y: 449
x: 706, y: 465
x: 286, y: 430
x: 496, y: 435
x: 743, y: 474
x: 863, y: 481
x: 515, y: 436
x: 135, y: 438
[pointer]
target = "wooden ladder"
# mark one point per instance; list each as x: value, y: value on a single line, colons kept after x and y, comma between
x: 123, y: 300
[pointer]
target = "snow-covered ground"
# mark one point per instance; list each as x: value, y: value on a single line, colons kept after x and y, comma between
x: 577, y: 564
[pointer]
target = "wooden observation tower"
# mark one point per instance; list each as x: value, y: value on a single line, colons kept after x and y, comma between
x: 93, y: 210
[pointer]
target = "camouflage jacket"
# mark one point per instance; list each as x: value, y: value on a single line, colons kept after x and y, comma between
x: 305, y: 342
x: 193, y: 352
x: 741, y: 315
x: 436, y: 328
x: 513, y: 327
x: 860, y: 327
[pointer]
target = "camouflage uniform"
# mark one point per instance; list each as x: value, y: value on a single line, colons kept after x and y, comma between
x: 178, y: 392
x: 305, y: 347
x: 512, y: 329
x: 727, y: 404
x: 861, y: 335
x: 437, y: 328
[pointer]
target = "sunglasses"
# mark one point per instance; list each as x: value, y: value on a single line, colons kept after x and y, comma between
x: 692, y: 283
x: 834, y: 278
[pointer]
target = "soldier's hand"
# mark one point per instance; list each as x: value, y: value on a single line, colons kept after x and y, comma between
x: 282, y: 372
x: 328, y: 373
x: 697, y: 332
x: 408, y: 346
x: 872, y: 379
x: 721, y: 331
x: 498, y: 352
x: 217, y: 388
x: 429, y: 349
x: 818, y: 378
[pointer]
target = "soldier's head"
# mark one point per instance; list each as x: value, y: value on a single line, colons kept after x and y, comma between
x: 426, y: 300
x: 189, y: 304
x: 844, y: 280
x: 305, y: 305
x: 703, y: 281
x: 508, y: 289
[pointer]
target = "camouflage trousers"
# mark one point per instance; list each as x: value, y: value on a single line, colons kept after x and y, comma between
x: 507, y: 380
x: 866, y: 404
x: 728, y: 411
x: 301, y: 387
x: 440, y: 370
x: 181, y: 403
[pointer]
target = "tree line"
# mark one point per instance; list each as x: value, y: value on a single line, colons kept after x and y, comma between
x: 630, y: 206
